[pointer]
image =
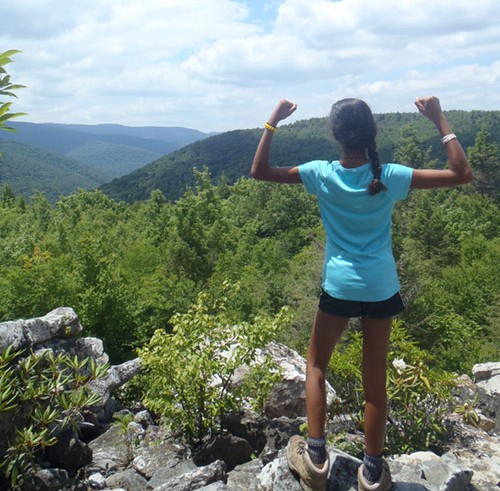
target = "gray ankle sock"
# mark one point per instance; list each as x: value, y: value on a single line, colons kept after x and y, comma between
x: 372, y: 467
x: 316, y: 448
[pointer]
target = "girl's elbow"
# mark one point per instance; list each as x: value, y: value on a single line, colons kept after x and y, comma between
x: 467, y: 177
x: 256, y: 174
x: 259, y: 171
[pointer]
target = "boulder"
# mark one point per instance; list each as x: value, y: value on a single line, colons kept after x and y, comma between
x: 128, y: 479
x: 20, y: 334
x: 80, y: 347
x: 111, y: 451
x: 69, y: 453
x: 160, y: 454
x: 487, y: 378
x: 288, y: 396
x: 231, y: 449
x: 431, y: 472
x: 196, y: 479
x: 242, y: 475
x: 117, y: 375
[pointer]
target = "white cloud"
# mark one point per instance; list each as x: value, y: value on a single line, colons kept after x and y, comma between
x: 222, y: 64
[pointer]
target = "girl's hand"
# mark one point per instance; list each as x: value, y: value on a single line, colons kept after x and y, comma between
x: 282, y: 111
x: 430, y: 108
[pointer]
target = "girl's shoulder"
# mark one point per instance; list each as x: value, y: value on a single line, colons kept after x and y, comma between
x: 397, y: 178
x: 391, y: 168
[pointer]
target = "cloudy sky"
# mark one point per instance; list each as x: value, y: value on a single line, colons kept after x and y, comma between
x: 217, y: 65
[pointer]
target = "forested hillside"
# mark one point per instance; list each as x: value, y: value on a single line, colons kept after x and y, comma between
x: 28, y: 169
x: 231, y: 153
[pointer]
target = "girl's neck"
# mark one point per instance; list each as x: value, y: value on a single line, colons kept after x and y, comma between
x: 352, y: 159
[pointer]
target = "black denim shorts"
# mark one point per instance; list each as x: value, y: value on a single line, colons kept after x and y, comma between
x: 351, y: 308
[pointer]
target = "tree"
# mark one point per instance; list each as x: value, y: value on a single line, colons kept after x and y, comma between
x: 409, y: 150
x: 484, y: 159
x: 7, y: 88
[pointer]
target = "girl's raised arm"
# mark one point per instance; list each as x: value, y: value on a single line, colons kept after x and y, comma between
x: 261, y: 168
x: 458, y: 171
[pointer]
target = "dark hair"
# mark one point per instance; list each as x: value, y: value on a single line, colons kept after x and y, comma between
x: 353, y: 126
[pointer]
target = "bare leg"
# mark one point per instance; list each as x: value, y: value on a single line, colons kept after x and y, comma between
x: 376, y: 333
x: 327, y: 330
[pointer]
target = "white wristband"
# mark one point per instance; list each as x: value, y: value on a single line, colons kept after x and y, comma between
x: 447, y: 138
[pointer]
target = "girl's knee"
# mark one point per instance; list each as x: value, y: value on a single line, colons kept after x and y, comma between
x: 376, y: 397
x: 315, y: 371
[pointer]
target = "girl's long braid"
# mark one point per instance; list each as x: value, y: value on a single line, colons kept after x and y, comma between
x: 376, y: 185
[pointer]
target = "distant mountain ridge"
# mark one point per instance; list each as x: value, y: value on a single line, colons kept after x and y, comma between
x: 231, y: 153
x: 145, y: 143
x: 141, y: 166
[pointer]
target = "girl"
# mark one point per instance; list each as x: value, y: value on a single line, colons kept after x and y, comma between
x: 356, y: 196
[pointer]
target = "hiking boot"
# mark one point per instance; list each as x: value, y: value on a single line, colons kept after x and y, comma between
x: 383, y: 484
x: 312, y: 478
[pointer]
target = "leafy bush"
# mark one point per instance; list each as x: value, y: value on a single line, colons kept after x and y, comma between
x: 7, y: 88
x: 42, y: 393
x: 418, y: 397
x: 189, y: 374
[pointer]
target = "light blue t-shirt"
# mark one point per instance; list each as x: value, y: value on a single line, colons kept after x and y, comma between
x: 359, y: 264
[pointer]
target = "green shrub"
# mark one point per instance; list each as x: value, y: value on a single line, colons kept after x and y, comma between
x: 40, y: 393
x: 189, y: 374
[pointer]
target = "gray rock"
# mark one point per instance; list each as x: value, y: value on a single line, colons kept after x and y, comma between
x: 203, y: 476
x: 128, y: 479
x: 288, y: 397
x: 156, y: 453
x: 242, y: 475
x: 97, y: 480
x: 480, y: 452
x: 266, y: 436
x: 485, y: 371
x: 275, y: 476
x: 143, y: 418
x: 231, y: 449
x: 69, y: 452
x: 117, y: 375
x: 12, y: 334
x: 433, y: 472
x: 81, y: 347
x: 277, y: 432
x: 216, y: 486
x: 20, y: 334
x: 48, y: 480
x: 111, y: 450
x: 171, y: 472
x: 487, y: 376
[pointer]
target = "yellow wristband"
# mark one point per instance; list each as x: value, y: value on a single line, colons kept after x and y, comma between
x: 270, y: 127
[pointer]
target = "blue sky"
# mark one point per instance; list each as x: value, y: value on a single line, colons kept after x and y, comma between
x: 218, y: 65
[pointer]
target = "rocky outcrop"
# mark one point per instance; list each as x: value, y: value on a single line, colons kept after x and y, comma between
x: 21, y: 334
x: 250, y: 454
x: 472, y: 464
x: 420, y: 471
x: 487, y: 379
x: 58, y: 332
